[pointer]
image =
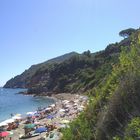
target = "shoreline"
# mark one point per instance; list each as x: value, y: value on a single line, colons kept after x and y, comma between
x: 80, y: 100
x: 54, y: 96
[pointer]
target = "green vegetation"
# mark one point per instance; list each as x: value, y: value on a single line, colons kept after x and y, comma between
x: 74, y: 73
x: 112, y: 111
x: 110, y: 77
x: 127, y: 32
x: 24, y: 80
x: 132, y: 131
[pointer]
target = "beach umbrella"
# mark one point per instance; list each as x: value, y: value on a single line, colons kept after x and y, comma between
x: 62, y: 110
x: 68, y: 106
x: 41, y: 130
x: 19, y: 115
x: 75, y: 104
x: 65, y: 121
x: 65, y: 101
x: 80, y: 109
x: 53, y: 105
x: 50, y: 117
x: 4, y: 134
x: 37, y: 114
x: 16, y: 117
x: 10, y: 133
x: 82, y: 106
x: 29, y: 126
x: 62, y: 126
x: 36, y: 122
x: 48, y: 108
x: 30, y: 113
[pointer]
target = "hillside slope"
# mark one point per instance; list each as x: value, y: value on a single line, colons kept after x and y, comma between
x: 23, y: 80
x: 113, y: 112
x: 69, y: 73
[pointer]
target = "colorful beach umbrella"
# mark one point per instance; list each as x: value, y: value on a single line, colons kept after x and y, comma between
x: 16, y: 117
x: 19, y: 115
x: 10, y: 134
x: 29, y: 126
x: 4, y: 134
x: 30, y: 113
x: 50, y: 117
x: 41, y: 130
x: 36, y: 123
x: 37, y: 114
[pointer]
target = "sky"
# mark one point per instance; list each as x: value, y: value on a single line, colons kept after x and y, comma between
x: 33, y: 31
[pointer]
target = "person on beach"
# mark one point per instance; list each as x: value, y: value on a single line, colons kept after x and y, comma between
x: 12, y: 114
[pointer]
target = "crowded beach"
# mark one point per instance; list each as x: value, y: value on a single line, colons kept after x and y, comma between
x: 44, y: 123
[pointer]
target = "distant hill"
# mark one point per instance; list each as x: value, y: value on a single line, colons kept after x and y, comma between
x: 71, y: 72
x: 110, y: 77
x: 23, y: 80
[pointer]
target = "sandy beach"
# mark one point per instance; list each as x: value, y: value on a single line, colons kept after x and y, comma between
x: 56, y: 116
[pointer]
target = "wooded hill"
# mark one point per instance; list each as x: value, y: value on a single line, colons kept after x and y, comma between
x: 110, y: 77
x: 71, y: 72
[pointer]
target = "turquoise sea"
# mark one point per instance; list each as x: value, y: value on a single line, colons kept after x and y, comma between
x: 11, y: 102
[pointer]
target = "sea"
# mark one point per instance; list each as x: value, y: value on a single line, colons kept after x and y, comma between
x: 13, y: 103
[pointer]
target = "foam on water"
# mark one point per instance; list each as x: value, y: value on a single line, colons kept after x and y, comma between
x: 11, y: 102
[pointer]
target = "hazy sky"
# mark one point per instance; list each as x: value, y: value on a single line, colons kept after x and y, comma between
x: 33, y: 31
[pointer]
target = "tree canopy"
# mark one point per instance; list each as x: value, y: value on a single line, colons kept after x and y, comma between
x: 127, y: 32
